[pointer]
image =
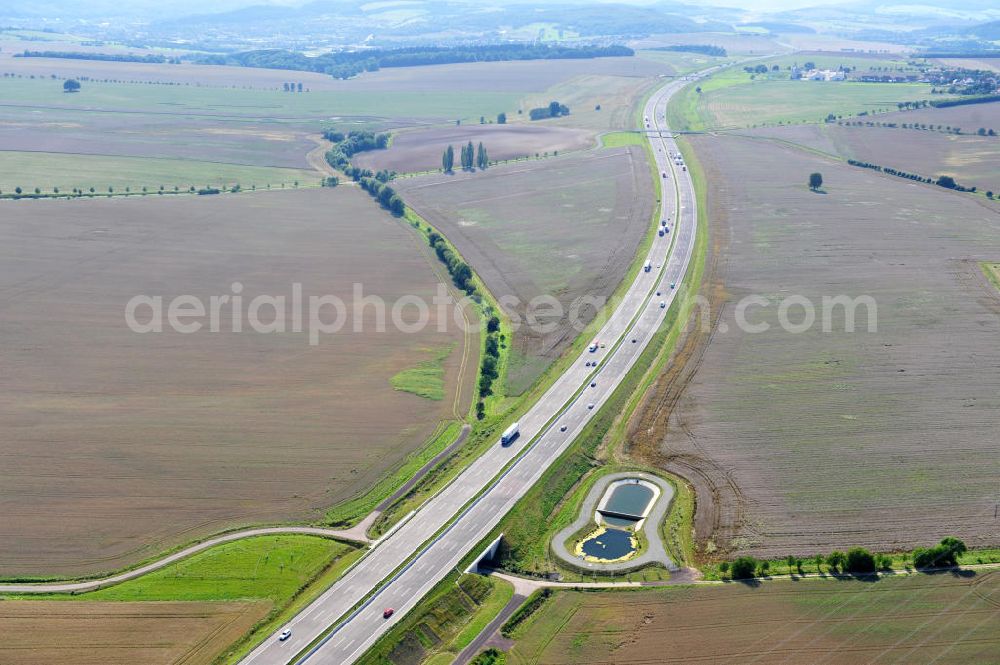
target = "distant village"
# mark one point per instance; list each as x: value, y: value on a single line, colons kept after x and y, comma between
x: 951, y: 80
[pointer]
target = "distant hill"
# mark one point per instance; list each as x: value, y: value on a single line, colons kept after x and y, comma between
x: 430, y: 22
x: 781, y: 27
x: 987, y: 31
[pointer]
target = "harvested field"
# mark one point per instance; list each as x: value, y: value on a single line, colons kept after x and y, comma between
x: 515, y: 76
x: 565, y: 227
x: 810, y: 441
x: 49, y: 170
x: 969, y: 158
x: 103, y: 429
x: 802, y: 101
x: 733, y: 43
x: 617, y: 96
x: 157, y: 136
x: 915, y: 619
x: 988, y: 64
x: 110, y: 633
x: 421, y: 149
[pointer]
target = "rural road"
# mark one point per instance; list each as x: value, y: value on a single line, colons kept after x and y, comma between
x: 407, y: 564
x: 92, y: 585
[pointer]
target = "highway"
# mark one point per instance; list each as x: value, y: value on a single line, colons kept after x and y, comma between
x: 404, y: 566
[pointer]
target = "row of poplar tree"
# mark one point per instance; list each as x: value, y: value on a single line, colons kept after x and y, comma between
x: 471, y: 158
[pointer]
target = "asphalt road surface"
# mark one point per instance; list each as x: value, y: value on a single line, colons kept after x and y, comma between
x: 403, y: 567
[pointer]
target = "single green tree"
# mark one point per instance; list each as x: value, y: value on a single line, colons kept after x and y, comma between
x: 815, y: 181
x: 482, y: 159
x: 860, y: 561
x: 448, y: 159
x: 836, y: 560
x: 71, y: 85
x: 743, y: 568
x: 501, y: 118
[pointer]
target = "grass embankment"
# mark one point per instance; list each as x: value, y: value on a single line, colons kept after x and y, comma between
x: 349, y: 512
x: 50, y: 170
x: 426, y: 379
x: 288, y: 571
x: 446, y: 621
x: 621, y: 139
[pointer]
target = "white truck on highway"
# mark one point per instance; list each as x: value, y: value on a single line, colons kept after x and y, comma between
x: 649, y: 265
x: 509, y: 435
x: 593, y: 346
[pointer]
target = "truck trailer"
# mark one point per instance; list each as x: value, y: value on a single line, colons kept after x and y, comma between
x: 509, y: 435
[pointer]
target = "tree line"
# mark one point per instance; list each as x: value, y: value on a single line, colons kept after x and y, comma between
x: 346, y: 64
x: 105, y: 57
x: 470, y: 158
x: 350, y: 144
x: 462, y: 278
x: 553, y: 110
x: 704, y: 49
x: 945, y: 181
x: 79, y: 192
x: 962, y: 101
x: 856, y: 561
x: 384, y: 194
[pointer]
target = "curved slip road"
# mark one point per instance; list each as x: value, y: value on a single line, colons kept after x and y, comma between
x: 93, y: 585
x: 413, y: 558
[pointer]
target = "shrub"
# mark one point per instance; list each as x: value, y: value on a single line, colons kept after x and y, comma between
x: 944, y: 554
x: 860, y: 560
x: 743, y: 568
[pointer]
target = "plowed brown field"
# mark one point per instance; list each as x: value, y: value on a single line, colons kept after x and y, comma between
x: 564, y: 227
x: 810, y: 441
x: 115, y: 445
x: 971, y: 159
x: 421, y: 149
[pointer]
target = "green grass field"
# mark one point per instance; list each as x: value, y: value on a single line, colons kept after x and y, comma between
x: 681, y: 62
x: 732, y: 99
x: 426, y: 379
x: 271, y: 567
x: 286, y: 570
x: 274, y: 106
x: 619, y: 139
x: 49, y: 170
